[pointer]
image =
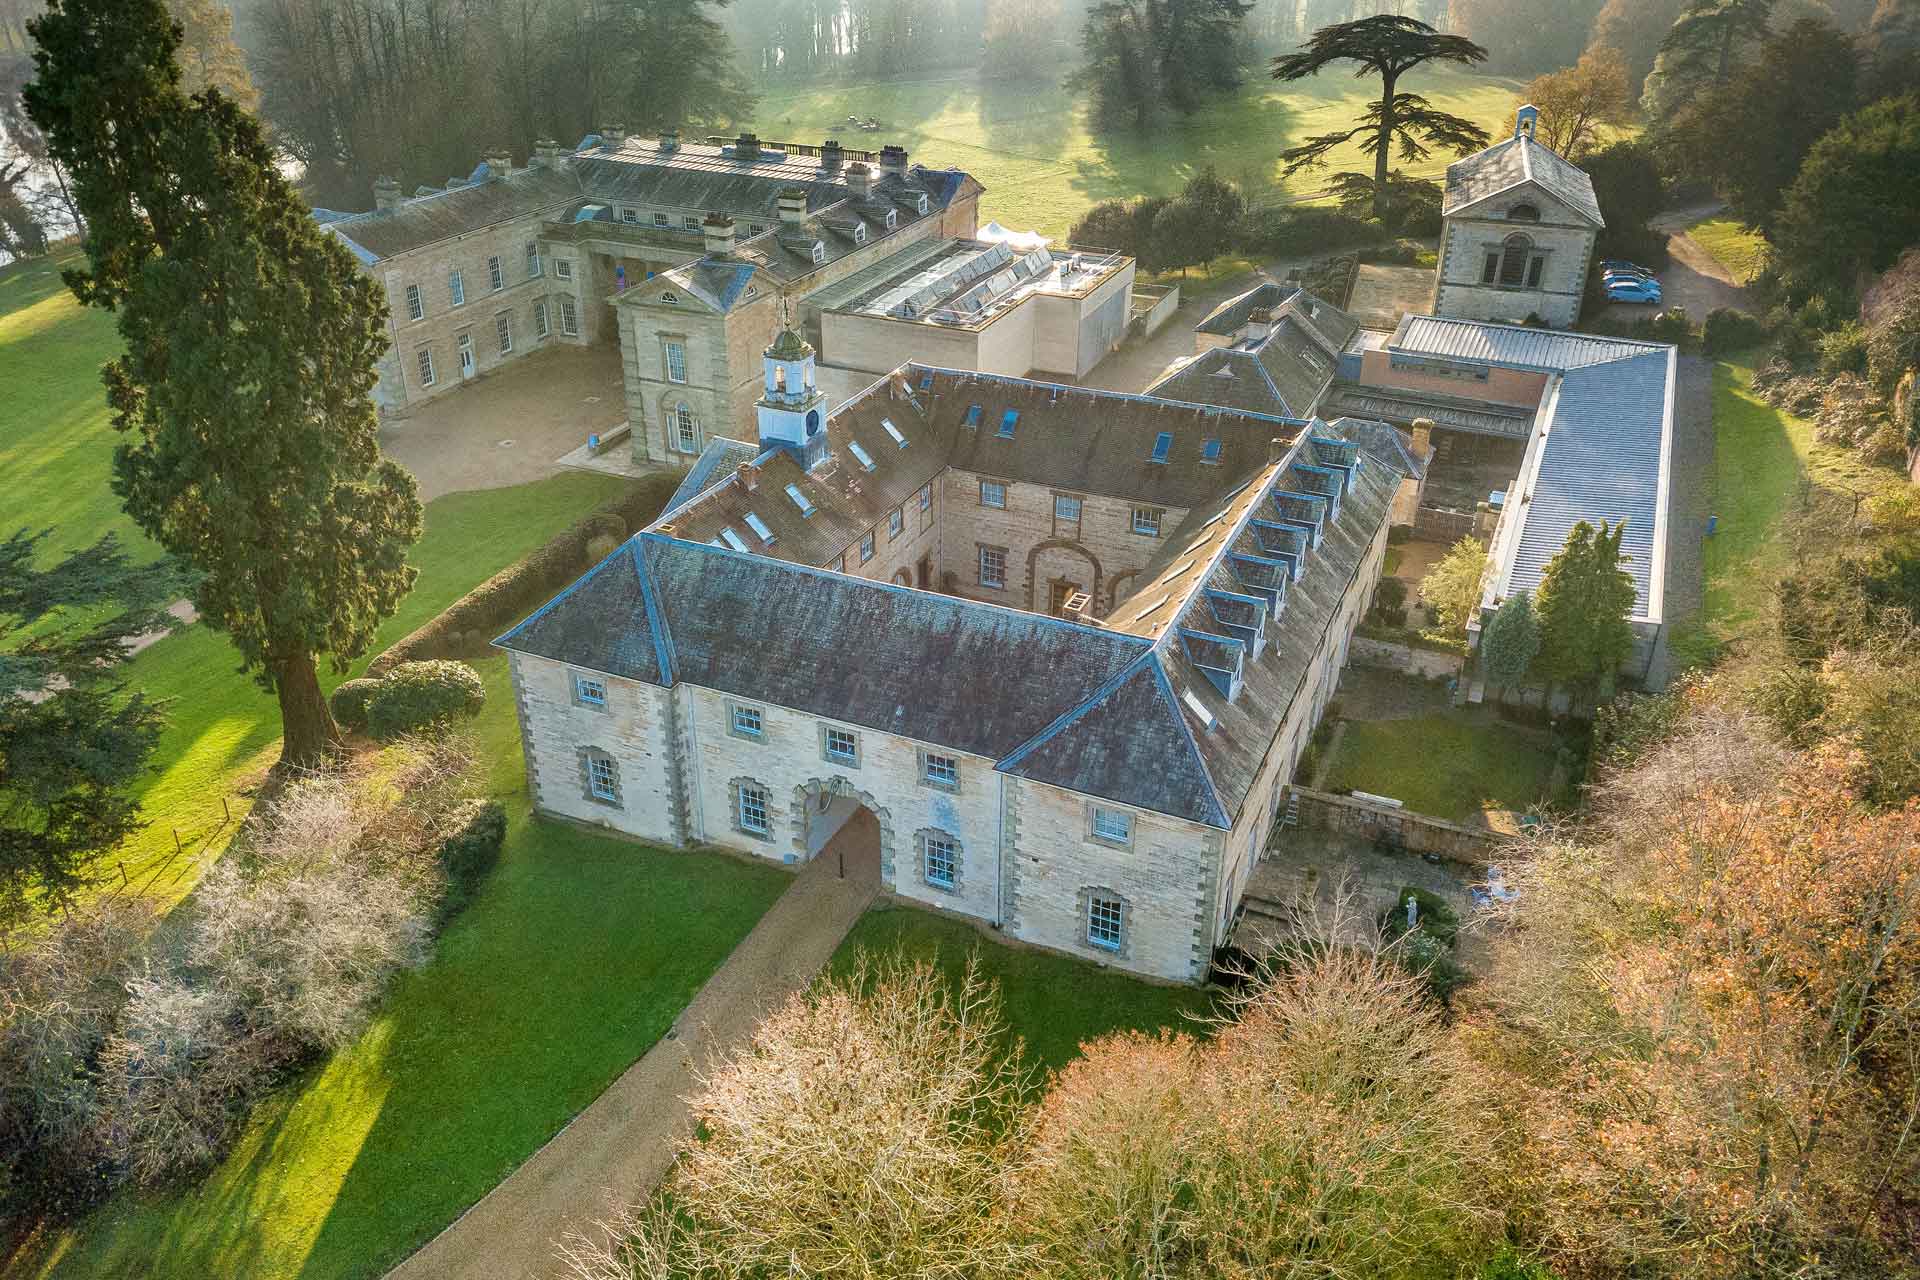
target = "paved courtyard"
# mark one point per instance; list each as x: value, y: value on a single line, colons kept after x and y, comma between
x: 1317, y: 880
x: 512, y: 425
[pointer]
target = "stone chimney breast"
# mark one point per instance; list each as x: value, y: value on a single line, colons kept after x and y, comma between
x: 386, y: 193
x: 546, y: 154
x: 1423, y: 437
x: 717, y: 228
x: 831, y: 155
x: 746, y: 147
x: 499, y: 162
x: 612, y: 135
x: 893, y: 160
x: 793, y: 205
x: 669, y: 139
x: 859, y: 179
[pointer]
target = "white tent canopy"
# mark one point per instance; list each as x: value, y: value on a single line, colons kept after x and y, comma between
x: 1018, y: 241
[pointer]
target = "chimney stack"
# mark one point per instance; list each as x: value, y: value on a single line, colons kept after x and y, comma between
x: 1423, y: 438
x: 499, y: 162
x: 830, y: 154
x: 749, y: 477
x: 386, y: 193
x: 612, y: 135
x: 718, y: 230
x: 1276, y: 450
x: 893, y: 160
x: 746, y: 147
x: 793, y: 205
x: 546, y: 153
x: 859, y: 179
x: 669, y: 139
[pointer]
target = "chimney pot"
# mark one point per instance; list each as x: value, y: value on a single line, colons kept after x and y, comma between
x: 669, y: 139
x: 793, y: 205
x: 859, y: 179
x: 386, y: 193
x: 1423, y: 437
x: 830, y: 154
x: 499, y: 162
x: 746, y: 147
x: 893, y: 160
x: 612, y: 135
x: 749, y: 477
x: 546, y: 153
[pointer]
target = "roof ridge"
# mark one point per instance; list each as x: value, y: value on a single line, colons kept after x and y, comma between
x: 663, y: 650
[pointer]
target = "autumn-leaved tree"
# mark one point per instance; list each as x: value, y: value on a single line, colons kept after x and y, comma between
x: 209, y: 58
x: 1452, y: 587
x: 1388, y: 46
x: 1577, y: 102
x: 1709, y: 1015
x: 251, y: 338
x: 1584, y: 602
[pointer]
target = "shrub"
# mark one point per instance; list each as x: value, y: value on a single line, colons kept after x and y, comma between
x: 1727, y: 331
x: 1434, y: 915
x: 1390, y: 594
x: 349, y: 702
x: 1844, y: 350
x: 417, y: 696
x: 469, y: 854
x: 1292, y: 231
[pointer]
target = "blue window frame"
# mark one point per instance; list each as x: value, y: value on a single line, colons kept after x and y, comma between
x: 973, y: 415
x: 1105, y: 918
x: 1210, y: 451
x: 1162, y: 446
x: 589, y: 692
x: 1007, y: 421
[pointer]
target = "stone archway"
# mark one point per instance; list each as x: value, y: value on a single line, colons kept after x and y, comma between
x: 1122, y: 583
x: 1069, y: 546
x: 837, y: 801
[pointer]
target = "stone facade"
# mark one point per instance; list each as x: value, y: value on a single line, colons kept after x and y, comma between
x: 1546, y: 262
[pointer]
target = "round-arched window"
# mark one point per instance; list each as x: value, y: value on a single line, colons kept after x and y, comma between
x: 1523, y: 213
x: 1513, y: 259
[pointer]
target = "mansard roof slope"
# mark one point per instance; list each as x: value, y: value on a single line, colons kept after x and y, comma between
x: 1517, y: 162
x: 640, y: 171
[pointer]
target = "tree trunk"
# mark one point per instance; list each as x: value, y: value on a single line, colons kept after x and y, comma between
x: 310, y: 733
x: 1381, y: 152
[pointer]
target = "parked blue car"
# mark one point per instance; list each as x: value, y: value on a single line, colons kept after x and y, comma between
x: 1626, y: 289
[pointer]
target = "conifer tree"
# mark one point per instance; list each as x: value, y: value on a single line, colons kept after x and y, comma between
x: 1388, y: 46
x: 252, y: 451
x: 1510, y: 643
x: 1584, y: 602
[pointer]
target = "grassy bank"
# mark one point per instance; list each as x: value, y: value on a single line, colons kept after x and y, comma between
x: 575, y: 958
x: 1030, y: 146
x: 1740, y: 251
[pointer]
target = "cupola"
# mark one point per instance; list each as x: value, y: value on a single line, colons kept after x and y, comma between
x: 792, y: 412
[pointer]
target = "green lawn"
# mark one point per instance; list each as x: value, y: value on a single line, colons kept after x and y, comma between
x: 573, y: 961
x: 1761, y: 458
x: 1442, y: 765
x: 1740, y: 251
x: 1029, y: 145
x: 1053, y: 1002
x: 55, y: 459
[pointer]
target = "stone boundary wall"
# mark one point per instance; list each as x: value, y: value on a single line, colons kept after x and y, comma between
x: 1474, y: 847
x: 1437, y: 524
x: 1425, y: 663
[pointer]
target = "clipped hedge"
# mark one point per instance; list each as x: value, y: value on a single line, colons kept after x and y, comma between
x: 465, y: 627
x: 469, y: 854
x: 424, y: 695
x: 349, y: 702
x: 1727, y: 330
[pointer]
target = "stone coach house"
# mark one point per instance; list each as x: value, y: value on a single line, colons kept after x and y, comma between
x: 1066, y: 646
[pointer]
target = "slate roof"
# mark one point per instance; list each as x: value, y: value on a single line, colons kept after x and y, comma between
x: 1510, y: 346
x: 1116, y: 711
x: 692, y: 177
x: 1231, y: 316
x: 1515, y: 162
x: 716, y: 462
x: 1396, y: 404
x: 1603, y: 457
x: 1284, y: 373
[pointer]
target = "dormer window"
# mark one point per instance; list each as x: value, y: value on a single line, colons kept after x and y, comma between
x: 1523, y: 213
x: 819, y: 252
x: 893, y: 219
x: 859, y: 233
x: 920, y: 204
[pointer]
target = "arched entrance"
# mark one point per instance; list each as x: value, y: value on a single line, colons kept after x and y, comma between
x: 846, y: 827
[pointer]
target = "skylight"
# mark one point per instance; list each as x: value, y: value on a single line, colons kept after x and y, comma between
x: 1162, y: 446
x: 973, y: 415
x: 1007, y: 421
x: 733, y: 539
x: 1198, y: 708
x: 865, y: 458
x: 1150, y: 608
x: 894, y: 432
x: 759, y: 526
x: 1210, y: 451
x: 800, y: 500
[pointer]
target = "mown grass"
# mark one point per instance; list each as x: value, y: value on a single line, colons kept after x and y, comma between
x: 1740, y: 251
x: 1030, y: 146
x: 574, y: 959
x: 1771, y: 483
x: 1442, y: 765
x: 56, y: 448
x: 1054, y: 1003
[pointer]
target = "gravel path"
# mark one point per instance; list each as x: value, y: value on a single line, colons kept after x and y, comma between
x: 617, y: 1150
